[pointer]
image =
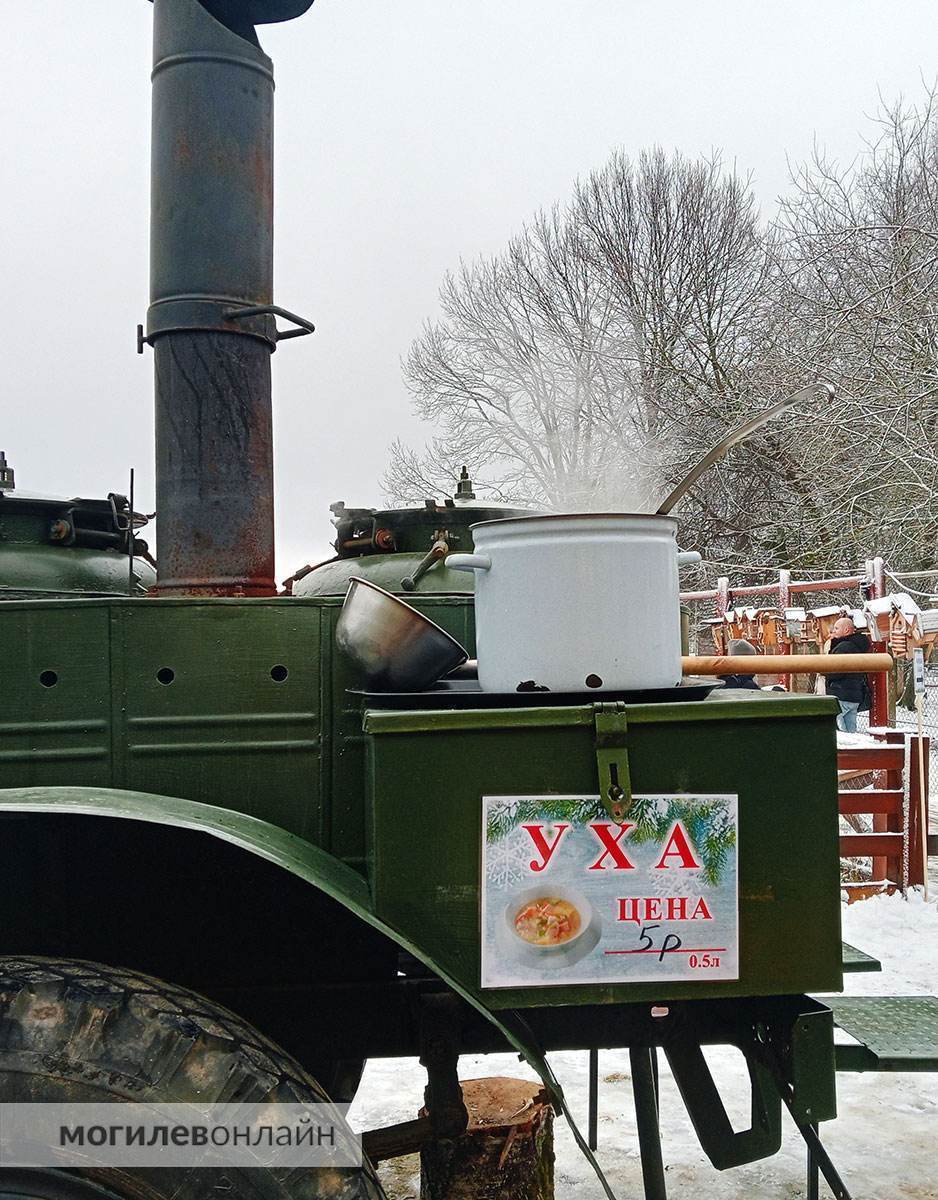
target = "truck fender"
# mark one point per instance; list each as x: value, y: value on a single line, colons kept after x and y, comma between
x: 300, y: 858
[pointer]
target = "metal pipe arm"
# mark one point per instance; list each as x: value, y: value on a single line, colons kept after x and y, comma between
x: 787, y: 664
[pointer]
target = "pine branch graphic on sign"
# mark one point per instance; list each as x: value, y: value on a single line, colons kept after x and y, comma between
x: 575, y: 810
x: 707, y: 823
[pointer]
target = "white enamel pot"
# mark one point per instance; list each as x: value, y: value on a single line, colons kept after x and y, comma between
x: 576, y: 603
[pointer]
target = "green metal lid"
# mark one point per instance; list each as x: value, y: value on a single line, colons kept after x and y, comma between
x: 749, y: 706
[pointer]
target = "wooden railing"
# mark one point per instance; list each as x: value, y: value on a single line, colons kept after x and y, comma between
x: 892, y: 836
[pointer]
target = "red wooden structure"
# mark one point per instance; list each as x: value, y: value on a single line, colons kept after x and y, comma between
x: 872, y: 584
x: 892, y: 836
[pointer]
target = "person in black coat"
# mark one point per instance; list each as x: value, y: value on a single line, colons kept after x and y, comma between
x: 850, y: 690
x: 736, y: 647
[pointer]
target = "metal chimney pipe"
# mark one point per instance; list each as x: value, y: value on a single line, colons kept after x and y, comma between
x: 211, y: 320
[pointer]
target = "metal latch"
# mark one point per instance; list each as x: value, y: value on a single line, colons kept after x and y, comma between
x: 612, y: 759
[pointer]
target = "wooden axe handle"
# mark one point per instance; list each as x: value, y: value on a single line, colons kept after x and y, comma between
x: 786, y: 664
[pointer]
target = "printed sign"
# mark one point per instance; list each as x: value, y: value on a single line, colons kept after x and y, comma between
x: 918, y: 668
x: 570, y: 896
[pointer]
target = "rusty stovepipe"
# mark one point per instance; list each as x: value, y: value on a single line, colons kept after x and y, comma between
x: 211, y: 320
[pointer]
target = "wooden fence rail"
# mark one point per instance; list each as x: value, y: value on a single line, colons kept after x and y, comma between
x: 893, y: 840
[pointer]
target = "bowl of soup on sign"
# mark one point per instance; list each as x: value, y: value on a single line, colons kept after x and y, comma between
x: 546, y: 918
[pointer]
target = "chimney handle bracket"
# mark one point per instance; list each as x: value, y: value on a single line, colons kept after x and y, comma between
x: 303, y: 327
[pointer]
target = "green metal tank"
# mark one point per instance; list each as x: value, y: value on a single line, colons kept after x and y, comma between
x: 402, y: 550
x: 52, y: 546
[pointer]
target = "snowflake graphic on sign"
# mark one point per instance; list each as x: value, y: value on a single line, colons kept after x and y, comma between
x: 504, y: 864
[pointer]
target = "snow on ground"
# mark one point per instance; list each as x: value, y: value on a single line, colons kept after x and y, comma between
x: 884, y: 1142
x: 857, y: 741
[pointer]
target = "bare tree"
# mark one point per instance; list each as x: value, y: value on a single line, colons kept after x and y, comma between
x: 685, y: 255
x: 516, y: 375
x: 691, y: 268
x: 619, y: 336
x: 860, y: 262
x: 566, y: 370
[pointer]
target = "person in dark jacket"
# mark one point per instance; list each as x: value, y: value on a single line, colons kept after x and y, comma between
x: 849, y: 689
x: 736, y: 647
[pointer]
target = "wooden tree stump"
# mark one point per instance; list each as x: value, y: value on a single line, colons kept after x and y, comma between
x: 506, y: 1153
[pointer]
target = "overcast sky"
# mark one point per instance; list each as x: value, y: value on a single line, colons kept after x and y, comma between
x: 409, y: 133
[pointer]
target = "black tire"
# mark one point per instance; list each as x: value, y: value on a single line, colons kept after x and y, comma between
x: 74, y: 1031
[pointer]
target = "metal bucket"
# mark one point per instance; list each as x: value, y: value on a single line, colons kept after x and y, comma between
x: 396, y: 648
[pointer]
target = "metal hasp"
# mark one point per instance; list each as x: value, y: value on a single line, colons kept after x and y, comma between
x: 612, y: 759
x: 211, y: 320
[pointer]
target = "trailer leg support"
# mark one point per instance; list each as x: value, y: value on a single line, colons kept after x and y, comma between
x: 812, y: 1189
x: 444, y: 1114
x: 593, y: 1116
x: 644, y: 1061
x: 440, y: 1022
x: 724, y: 1146
x: 818, y: 1158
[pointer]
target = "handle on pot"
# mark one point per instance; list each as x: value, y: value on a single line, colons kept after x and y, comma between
x: 468, y: 562
x: 686, y: 557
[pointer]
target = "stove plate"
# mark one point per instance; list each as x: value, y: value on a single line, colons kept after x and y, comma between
x: 466, y: 693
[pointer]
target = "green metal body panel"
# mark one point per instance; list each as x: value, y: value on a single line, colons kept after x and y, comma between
x: 244, y: 704
x: 429, y: 770
x: 255, y: 715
